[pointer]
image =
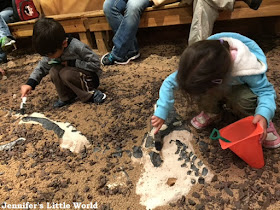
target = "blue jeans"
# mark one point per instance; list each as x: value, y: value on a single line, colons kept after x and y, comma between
x: 124, y: 17
x: 6, y: 16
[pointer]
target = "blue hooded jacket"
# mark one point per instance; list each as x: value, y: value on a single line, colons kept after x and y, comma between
x: 258, y: 83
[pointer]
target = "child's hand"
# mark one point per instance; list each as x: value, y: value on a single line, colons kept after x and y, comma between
x: 157, y: 123
x: 263, y: 123
x: 25, y: 90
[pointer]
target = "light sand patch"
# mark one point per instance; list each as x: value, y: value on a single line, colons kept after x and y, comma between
x: 71, y: 139
x: 159, y: 186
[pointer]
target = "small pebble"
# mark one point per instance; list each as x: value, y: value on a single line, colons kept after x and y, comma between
x: 201, y: 180
x: 204, y: 171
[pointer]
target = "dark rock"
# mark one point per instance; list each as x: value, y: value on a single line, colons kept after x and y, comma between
x: 137, y: 152
x: 194, y: 158
x: 199, y: 207
x: 203, y: 146
x: 179, y: 143
x: 205, y: 192
x: 191, y: 202
x: 96, y: 149
x: 86, y: 189
x: 200, y: 163
x: 204, y: 171
x: 172, y: 204
x: 158, y: 141
x: 275, y: 170
x: 155, y: 159
x: 228, y: 191
x: 196, y: 195
x: 183, y: 154
x: 117, y: 154
x: 201, y: 180
x: 191, y: 154
x: 149, y: 142
x: 193, y: 181
x: 215, y: 178
x: 193, y: 167
x: 181, y: 202
x: 178, y: 150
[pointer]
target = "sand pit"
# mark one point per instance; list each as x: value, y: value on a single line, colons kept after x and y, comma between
x: 38, y: 171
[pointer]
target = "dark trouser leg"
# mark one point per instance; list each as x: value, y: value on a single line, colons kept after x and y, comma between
x: 242, y: 101
x: 71, y: 82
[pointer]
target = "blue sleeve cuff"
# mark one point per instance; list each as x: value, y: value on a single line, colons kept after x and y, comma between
x: 161, y: 112
x: 265, y: 112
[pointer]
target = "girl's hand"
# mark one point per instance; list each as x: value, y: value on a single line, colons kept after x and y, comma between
x: 25, y: 90
x: 263, y: 123
x: 157, y: 123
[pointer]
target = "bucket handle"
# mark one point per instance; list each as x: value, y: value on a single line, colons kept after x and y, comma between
x: 215, y: 135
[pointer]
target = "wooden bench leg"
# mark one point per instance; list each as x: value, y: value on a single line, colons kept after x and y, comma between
x: 86, y: 38
x: 102, y: 44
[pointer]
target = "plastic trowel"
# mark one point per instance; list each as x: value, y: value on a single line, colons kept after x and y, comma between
x: 22, y: 105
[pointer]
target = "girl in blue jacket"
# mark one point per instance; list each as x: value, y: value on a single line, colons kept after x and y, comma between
x: 226, y: 69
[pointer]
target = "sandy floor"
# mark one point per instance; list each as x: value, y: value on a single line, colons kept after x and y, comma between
x: 38, y: 171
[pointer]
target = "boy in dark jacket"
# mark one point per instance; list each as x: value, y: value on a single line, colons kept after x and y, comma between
x: 74, y: 68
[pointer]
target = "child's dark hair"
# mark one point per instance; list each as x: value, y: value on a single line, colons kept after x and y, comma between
x: 48, y: 36
x: 203, y: 65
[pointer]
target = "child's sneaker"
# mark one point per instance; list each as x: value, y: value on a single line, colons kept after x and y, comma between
x: 273, y: 139
x: 98, y: 97
x: 107, y: 59
x: 7, y: 44
x: 203, y: 120
x: 130, y: 58
x: 60, y: 103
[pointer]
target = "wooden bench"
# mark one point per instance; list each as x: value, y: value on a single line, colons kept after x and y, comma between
x: 173, y: 14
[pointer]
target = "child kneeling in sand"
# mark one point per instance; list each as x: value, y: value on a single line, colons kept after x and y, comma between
x: 74, y: 68
x: 229, y: 69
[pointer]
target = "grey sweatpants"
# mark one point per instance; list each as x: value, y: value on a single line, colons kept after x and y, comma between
x: 205, y: 12
x: 71, y: 82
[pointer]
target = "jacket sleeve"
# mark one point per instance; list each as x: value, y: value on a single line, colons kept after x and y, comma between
x: 87, y: 60
x: 166, y: 96
x: 266, y: 95
x: 40, y: 71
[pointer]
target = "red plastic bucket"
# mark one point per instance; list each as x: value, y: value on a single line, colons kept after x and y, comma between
x: 244, y: 137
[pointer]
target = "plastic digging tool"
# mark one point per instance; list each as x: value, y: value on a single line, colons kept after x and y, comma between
x: 242, y: 137
x: 23, y: 106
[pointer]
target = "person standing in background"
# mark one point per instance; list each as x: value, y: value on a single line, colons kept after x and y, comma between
x: 205, y: 13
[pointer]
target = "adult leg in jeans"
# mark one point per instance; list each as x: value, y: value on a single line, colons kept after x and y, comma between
x: 205, y: 13
x: 6, y: 16
x: 124, y: 17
